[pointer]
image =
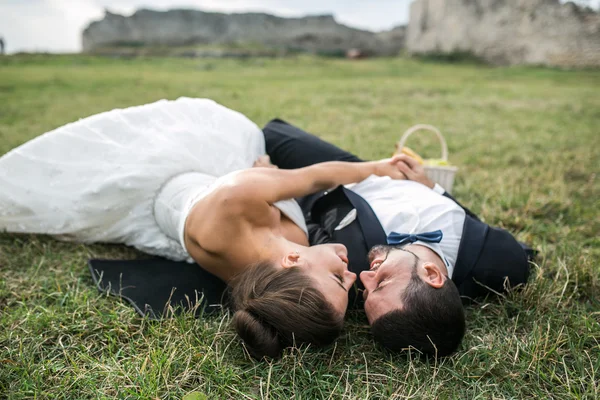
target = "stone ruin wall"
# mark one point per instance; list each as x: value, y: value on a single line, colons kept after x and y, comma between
x: 502, y: 32
x: 507, y: 32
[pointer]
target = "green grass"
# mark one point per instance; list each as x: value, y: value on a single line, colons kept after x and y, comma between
x: 527, y: 143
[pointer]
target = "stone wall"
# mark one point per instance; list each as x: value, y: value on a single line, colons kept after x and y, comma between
x: 507, y: 32
x: 191, y: 27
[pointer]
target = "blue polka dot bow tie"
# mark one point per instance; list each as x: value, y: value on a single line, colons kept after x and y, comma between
x: 395, y: 238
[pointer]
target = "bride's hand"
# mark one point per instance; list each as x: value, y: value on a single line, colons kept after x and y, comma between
x: 389, y: 167
x: 264, y: 162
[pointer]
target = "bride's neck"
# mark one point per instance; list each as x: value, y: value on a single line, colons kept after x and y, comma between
x: 281, y: 247
x: 292, y: 232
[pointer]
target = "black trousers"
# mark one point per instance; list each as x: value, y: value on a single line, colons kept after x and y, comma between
x: 290, y: 147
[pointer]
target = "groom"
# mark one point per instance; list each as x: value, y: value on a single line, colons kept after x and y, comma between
x: 417, y: 250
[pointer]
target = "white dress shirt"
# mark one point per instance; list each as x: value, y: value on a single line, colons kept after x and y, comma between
x: 405, y: 206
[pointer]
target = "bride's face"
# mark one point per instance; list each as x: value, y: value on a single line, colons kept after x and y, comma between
x: 327, y: 264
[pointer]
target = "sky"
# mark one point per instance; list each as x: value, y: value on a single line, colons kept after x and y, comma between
x: 56, y: 25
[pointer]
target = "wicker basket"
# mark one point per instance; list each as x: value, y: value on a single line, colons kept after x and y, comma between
x: 441, y: 174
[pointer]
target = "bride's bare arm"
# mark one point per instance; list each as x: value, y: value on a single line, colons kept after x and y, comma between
x: 272, y: 185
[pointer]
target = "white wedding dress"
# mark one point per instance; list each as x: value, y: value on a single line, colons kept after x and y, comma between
x: 128, y: 175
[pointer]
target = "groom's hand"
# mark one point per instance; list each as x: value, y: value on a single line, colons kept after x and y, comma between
x: 413, y: 170
x: 263, y: 162
x: 389, y: 167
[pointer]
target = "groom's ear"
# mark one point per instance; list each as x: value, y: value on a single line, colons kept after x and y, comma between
x: 291, y: 260
x: 433, y: 275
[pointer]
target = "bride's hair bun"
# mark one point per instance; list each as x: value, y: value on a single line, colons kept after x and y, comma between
x: 277, y: 308
x: 259, y: 338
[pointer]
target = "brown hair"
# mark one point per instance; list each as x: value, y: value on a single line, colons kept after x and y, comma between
x: 278, y: 308
x: 432, y: 320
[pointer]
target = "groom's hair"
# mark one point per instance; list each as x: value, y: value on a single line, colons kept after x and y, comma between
x: 278, y: 308
x: 431, y: 321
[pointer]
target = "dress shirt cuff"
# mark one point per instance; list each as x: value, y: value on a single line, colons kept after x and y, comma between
x: 438, y: 189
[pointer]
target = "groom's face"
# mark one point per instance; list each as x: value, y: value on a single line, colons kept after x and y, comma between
x: 391, y: 270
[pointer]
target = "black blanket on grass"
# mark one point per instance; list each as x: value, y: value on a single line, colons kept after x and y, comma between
x: 155, y: 287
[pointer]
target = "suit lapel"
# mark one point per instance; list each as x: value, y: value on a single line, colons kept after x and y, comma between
x: 371, y: 227
x: 471, y: 243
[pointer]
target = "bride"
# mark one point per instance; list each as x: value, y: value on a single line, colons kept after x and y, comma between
x: 174, y: 179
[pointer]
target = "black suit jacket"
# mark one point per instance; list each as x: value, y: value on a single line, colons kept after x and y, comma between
x: 489, y: 259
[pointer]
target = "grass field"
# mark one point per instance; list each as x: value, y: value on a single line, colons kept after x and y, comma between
x: 527, y: 143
